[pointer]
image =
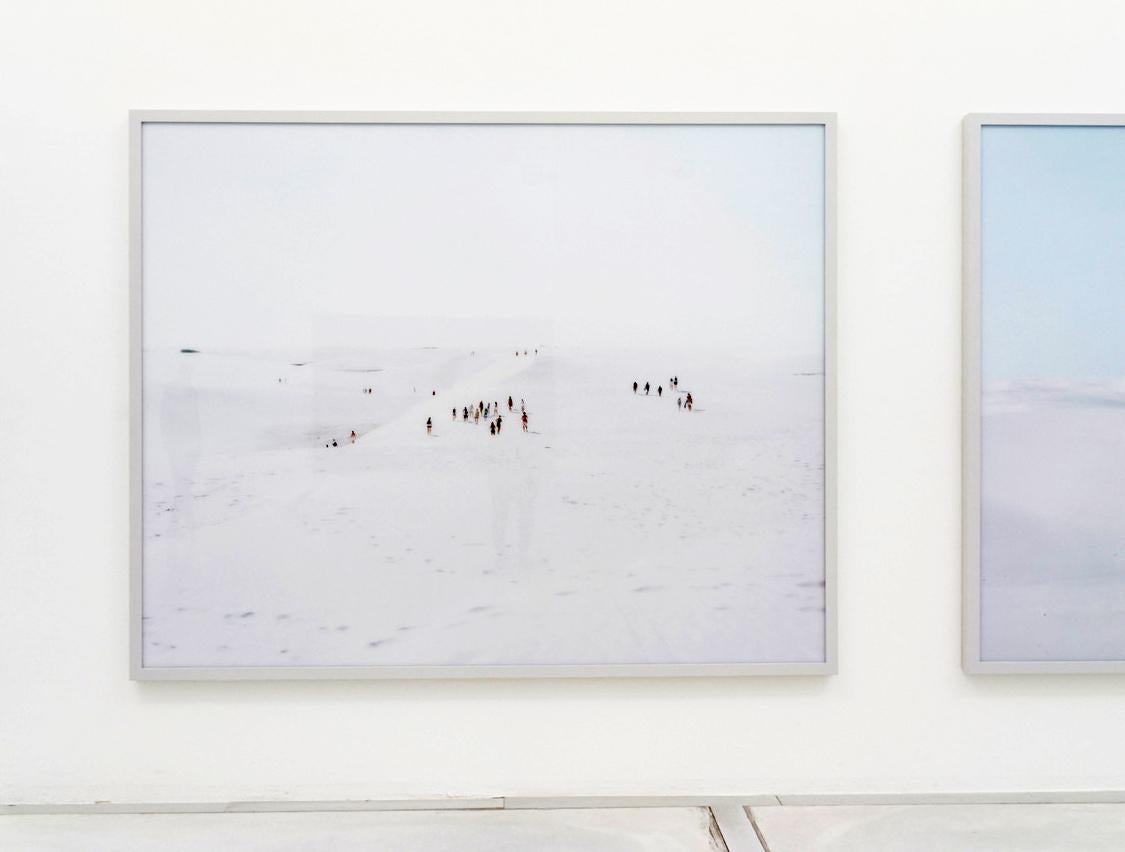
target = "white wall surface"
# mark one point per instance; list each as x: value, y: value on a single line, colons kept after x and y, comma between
x: 900, y: 716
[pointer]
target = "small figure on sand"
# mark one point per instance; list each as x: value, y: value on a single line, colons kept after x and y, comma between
x: 499, y: 423
x: 524, y: 419
x: 646, y: 388
x: 660, y: 390
x: 688, y: 401
x: 433, y: 392
x: 353, y: 436
x: 465, y: 414
x: 476, y: 415
x: 679, y: 402
x: 334, y: 443
x: 675, y: 381
x: 491, y: 428
x: 454, y: 413
x: 429, y: 426
x: 634, y: 387
x: 509, y: 403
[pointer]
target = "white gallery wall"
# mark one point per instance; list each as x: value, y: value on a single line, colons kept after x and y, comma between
x: 900, y: 716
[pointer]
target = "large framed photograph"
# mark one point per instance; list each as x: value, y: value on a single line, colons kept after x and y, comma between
x: 1044, y: 394
x: 465, y: 395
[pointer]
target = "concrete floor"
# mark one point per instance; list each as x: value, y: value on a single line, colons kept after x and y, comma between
x: 790, y: 828
x: 603, y: 830
x: 948, y: 828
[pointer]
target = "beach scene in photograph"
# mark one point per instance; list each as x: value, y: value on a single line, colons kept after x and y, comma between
x: 1053, y: 371
x: 462, y: 395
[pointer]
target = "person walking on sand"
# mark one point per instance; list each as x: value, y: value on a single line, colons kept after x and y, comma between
x: 353, y: 436
x: 688, y: 402
x: 524, y: 420
x: 634, y: 387
x: 660, y: 390
x: 679, y: 402
x: 509, y: 403
x: 476, y: 415
x: 465, y: 414
x: 499, y: 423
x: 646, y: 388
x: 429, y: 426
x: 455, y: 415
x: 491, y: 428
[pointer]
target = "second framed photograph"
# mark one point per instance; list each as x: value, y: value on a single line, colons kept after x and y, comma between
x: 1044, y: 394
x: 482, y: 395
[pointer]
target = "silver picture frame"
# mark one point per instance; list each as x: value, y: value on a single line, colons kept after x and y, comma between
x: 140, y: 672
x: 972, y: 386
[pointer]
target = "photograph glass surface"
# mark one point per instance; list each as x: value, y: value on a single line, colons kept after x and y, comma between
x: 482, y: 394
x: 1052, y: 564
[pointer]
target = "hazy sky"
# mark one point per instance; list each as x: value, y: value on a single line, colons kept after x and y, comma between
x: 289, y: 236
x: 1053, y: 251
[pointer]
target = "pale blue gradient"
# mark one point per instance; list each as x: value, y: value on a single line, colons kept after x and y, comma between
x: 268, y: 236
x: 1053, y: 252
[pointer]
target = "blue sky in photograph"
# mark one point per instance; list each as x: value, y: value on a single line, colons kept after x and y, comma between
x: 1053, y: 252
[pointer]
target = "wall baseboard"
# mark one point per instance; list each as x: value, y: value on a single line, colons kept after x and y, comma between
x: 558, y: 802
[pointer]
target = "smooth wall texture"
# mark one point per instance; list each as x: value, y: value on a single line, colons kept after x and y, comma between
x: 900, y: 716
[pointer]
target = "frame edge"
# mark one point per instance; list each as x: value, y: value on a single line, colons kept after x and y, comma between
x: 136, y: 434
x: 138, y: 672
x: 972, y: 662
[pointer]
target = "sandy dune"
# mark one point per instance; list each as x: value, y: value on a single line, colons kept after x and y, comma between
x: 618, y: 529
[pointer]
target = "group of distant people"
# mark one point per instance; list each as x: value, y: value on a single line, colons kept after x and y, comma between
x: 476, y: 411
x: 481, y: 409
x: 485, y: 410
x: 685, y: 402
